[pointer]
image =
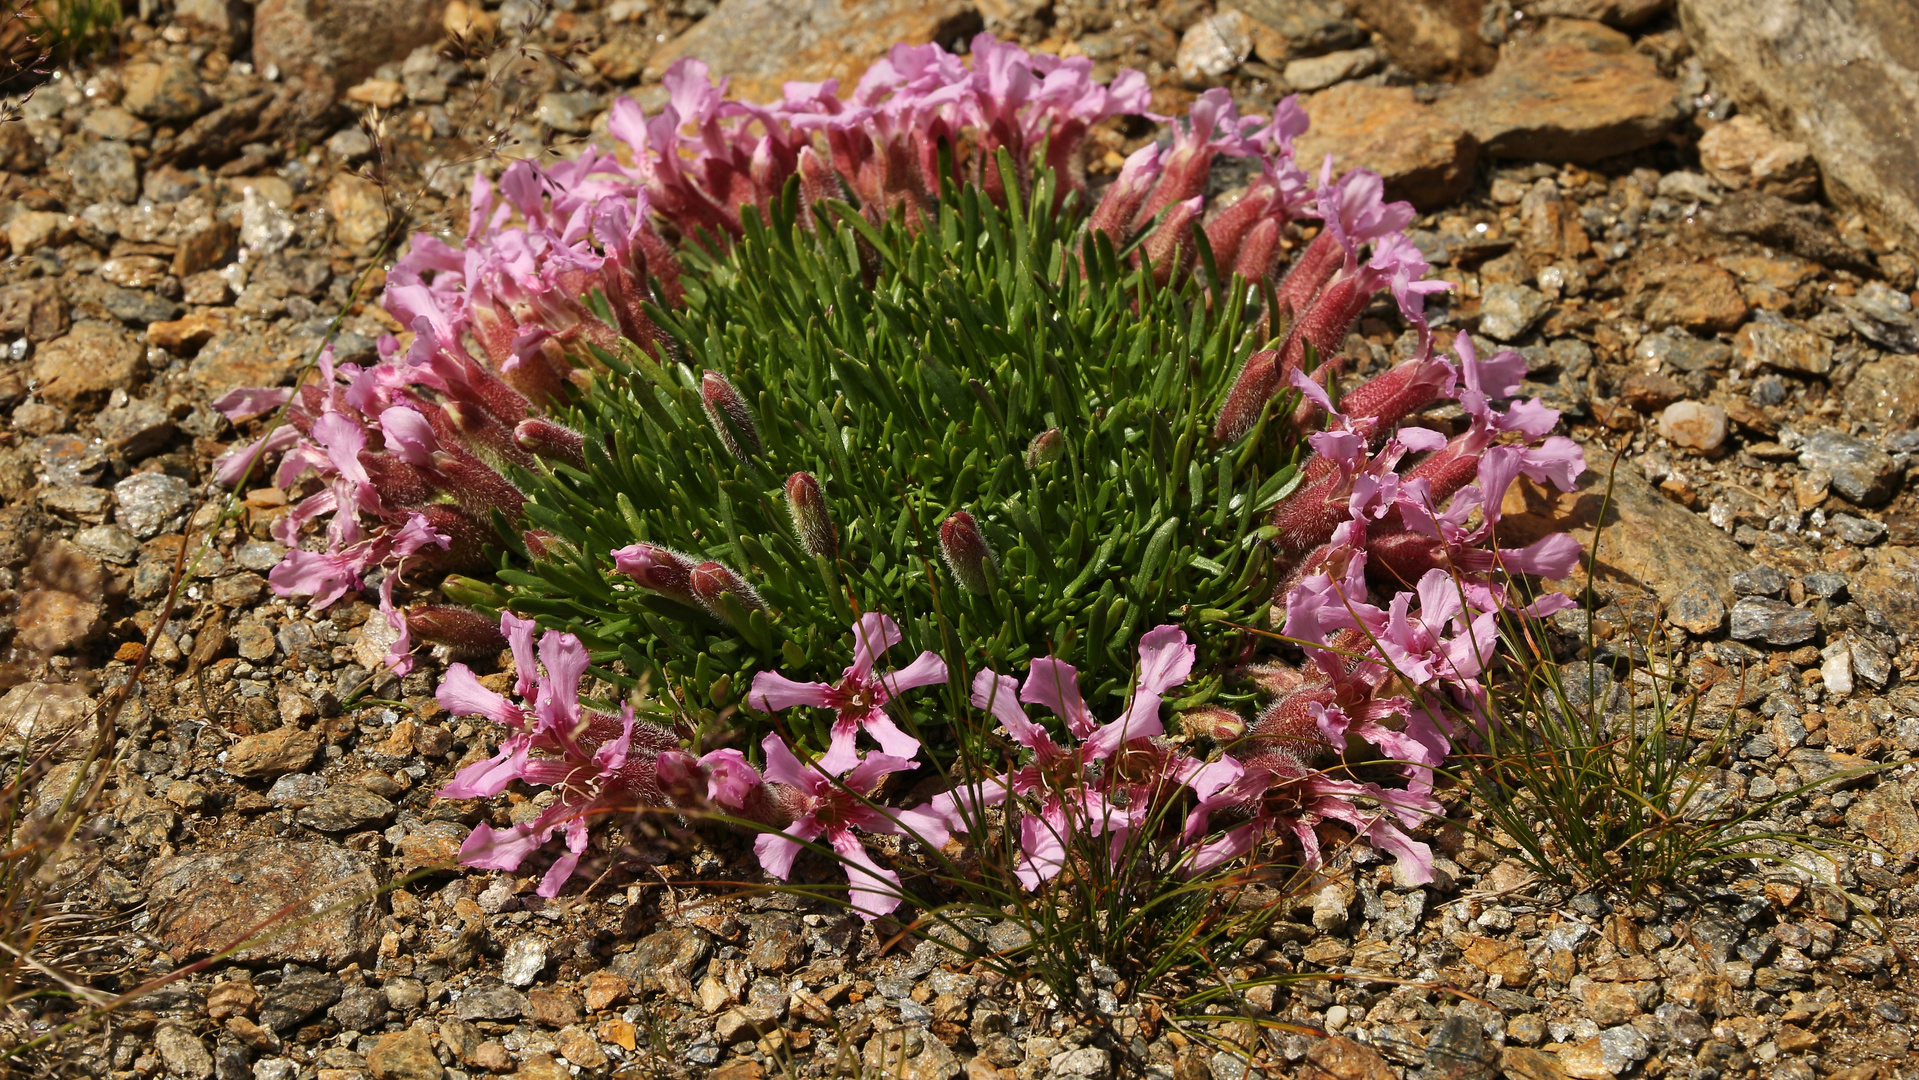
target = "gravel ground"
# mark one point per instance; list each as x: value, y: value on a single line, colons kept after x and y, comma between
x: 180, y: 223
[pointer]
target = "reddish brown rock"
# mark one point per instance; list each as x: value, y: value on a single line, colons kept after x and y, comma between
x: 1885, y: 391
x: 333, y: 44
x: 761, y: 44
x: 1842, y: 78
x: 1743, y: 152
x: 1648, y: 539
x: 1576, y: 97
x: 1425, y: 158
x: 1344, y: 1059
x: 1698, y: 296
x: 82, y: 369
x: 273, y: 753
x: 208, y: 901
x: 33, y: 309
x: 1432, y: 39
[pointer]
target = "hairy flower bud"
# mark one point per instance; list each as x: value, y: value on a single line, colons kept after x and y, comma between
x: 1310, y: 272
x: 462, y: 629
x: 722, y: 591
x: 1258, y: 252
x: 1230, y: 227
x: 484, y: 430
x: 731, y: 418
x: 1256, y: 383
x: 662, y: 570
x: 967, y: 553
x: 1047, y: 447
x: 1121, y: 202
x: 1215, y: 723
x: 545, y: 438
x: 1170, y: 248
x: 467, y: 539
x: 818, y: 182
x: 811, y: 522
x: 477, y: 486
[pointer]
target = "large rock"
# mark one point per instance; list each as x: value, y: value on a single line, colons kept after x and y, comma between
x: 1425, y: 158
x: 1573, y: 92
x: 332, y: 44
x: 38, y: 717
x: 761, y: 44
x: 80, y: 370
x: 1647, y: 539
x: 1289, y: 29
x: 1841, y: 77
x: 208, y: 901
x: 1611, y: 12
x: 1885, y: 391
x: 1432, y: 39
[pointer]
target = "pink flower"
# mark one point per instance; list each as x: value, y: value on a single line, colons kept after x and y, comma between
x: 833, y: 806
x: 860, y: 696
x: 600, y: 763
x: 1072, y: 792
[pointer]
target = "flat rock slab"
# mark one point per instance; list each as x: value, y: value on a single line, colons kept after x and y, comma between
x: 1647, y: 539
x: 1841, y: 78
x: 205, y: 902
x: 760, y: 44
x: 1424, y: 158
x: 1565, y: 100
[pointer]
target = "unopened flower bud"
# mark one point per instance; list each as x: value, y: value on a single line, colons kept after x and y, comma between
x: 1170, y: 248
x: 1215, y: 723
x: 467, y: 539
x: 463, y: 629
x: 1047, y: 447
x: 545, y: 438
x: 811, y: 522
x: 967, y: 553
x: 1253, y: 387
x: 731, y: 418
x: 1120, y: 204
x: 721, y: 590
x: 662, y: 570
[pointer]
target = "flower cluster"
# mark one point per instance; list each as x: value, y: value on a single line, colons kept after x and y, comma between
x: 597, y: 763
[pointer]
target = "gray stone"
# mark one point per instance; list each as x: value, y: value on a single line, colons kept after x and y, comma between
x: 1856, y: 530
x: 1826, y: 585
x: 524, y: 960
x: 109, y: 542
x: 150, y: 502
x: 105, y: 170
x: 298, y: 999
x: 1623, y: 1047
x: 1759, y: 580
x: 1508, y: 311
x: 1319, y: 72
x: 1861, y: 472
x: 1459, y: 1050
x: 1883, y: 315
x: 1775, y: 622
x: 491, y: 1002
x: 361, y: 1008
x: 345, y: 810
x: 1697, y: 610
x: 136, y: 429
x: 349, y: 144
x: 569, y: 112
x: 186, y: 1056
x: 1004, y: 937
x: 1841, y: 78
x: 259, y: 555
x: 1085, y: 1063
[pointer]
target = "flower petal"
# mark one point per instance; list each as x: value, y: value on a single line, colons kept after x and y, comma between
x: 926, y: 670
x: 1055, y: 684
x: 874, y: 891
x: 781, y: 766
x: 772, y: 692
x: 873, y: 634
x: 461, y: 694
